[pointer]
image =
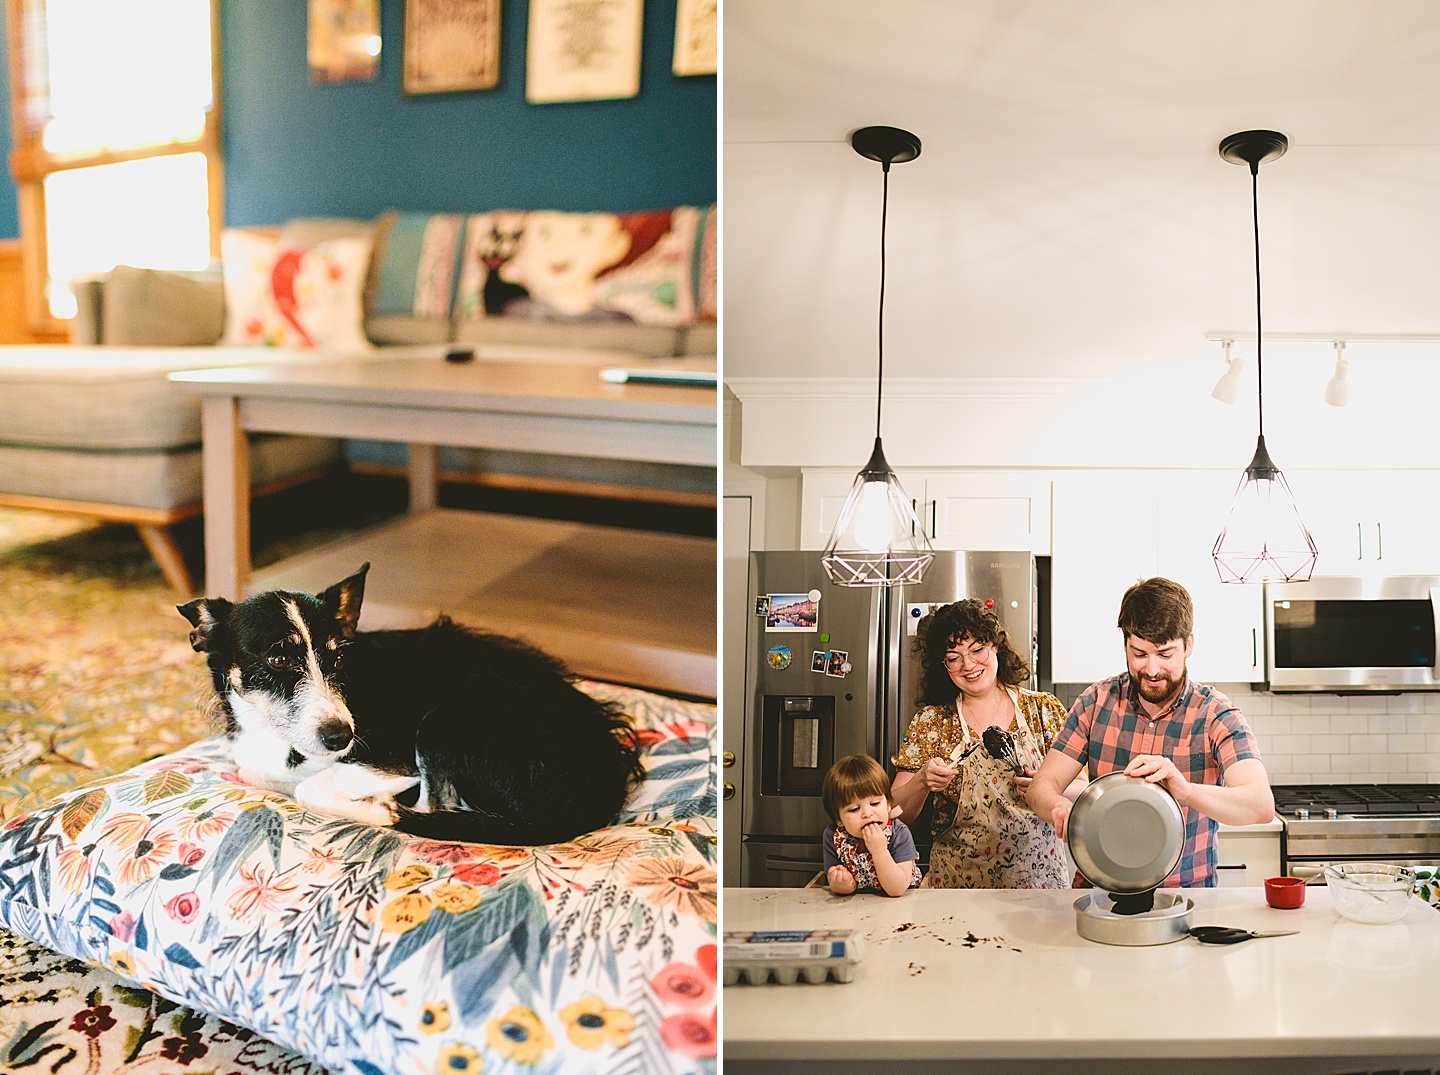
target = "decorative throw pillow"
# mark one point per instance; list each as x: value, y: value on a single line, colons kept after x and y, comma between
x: 285, y: 296
x: 371, y: 951
x: 551, y: 266
x: 416, y: 259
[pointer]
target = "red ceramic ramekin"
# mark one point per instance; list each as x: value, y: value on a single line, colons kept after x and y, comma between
x: 1284, y: 892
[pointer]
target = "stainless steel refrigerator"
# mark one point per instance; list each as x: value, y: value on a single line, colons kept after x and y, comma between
x: 831, y: 671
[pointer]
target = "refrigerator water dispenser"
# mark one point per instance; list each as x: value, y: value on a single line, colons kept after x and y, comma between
x: 797, y: 743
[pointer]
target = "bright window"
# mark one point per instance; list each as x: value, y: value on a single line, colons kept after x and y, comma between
x: 117, y: 140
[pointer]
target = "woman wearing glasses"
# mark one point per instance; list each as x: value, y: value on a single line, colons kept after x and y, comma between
x: 985, y: 835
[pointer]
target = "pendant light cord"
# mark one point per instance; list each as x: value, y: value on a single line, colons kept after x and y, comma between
x: 1259, y: 335
x: 880, y: 348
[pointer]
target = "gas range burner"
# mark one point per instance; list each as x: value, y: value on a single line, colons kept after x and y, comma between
x: 1317, y: 801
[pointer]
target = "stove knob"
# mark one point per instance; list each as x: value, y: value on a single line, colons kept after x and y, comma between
x: 1331, y: 813
x: 1301, y: 814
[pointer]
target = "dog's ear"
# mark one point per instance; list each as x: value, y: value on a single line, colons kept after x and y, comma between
x: 204, y: 613
x: 342, y: 600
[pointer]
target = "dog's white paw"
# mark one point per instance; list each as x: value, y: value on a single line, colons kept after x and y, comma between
x: 376, y: 810
x: 354, y: 792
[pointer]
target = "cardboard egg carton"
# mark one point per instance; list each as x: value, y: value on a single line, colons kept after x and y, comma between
x: 790, y: 956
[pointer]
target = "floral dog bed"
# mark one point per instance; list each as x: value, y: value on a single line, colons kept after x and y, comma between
x: 370, y: 951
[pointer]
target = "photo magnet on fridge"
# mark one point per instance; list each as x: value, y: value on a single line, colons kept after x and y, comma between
x: 762, y: 605
x: 838, y: 664
x: 792, y: 612
x: 819, y: 659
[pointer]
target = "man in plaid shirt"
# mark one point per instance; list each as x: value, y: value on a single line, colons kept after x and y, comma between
x: 1154, y: 722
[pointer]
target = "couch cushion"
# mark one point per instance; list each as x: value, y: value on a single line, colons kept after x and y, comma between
x: 636, y: 268
x: 157, y: 308
x: 653, y: 340
x: 278, y: 295
x: 417, y: 261
x: 701, y: 339
x: 108, y: 397
x: 161, y: 480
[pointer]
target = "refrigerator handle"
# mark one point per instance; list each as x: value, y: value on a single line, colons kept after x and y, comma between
x: 932, y: 518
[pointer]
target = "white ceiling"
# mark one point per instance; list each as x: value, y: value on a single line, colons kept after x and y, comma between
x: 1069, y: 214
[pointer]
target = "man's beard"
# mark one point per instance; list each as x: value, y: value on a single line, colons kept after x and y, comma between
x: 1168, y: 687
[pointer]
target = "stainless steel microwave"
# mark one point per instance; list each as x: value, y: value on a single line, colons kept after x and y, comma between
x: 1353, y: 634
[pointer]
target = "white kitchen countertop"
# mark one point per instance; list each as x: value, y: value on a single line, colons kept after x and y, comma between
x: 998, y: 980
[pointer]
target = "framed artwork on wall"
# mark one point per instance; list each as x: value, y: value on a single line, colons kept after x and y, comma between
x: 343, y: 40
x: 695, y: 37
x: 451, y: 45
x: 583, y: 50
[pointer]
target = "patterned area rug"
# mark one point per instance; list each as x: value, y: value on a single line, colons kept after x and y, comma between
x: 96, y: 676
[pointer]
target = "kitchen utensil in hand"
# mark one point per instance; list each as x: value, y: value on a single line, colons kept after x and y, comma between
x: 961, y: 752
x: 1000, y: 745
x: 1231, y: 935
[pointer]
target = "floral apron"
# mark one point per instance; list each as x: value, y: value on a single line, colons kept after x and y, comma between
x: 856, y: 857
x: 986, y: 835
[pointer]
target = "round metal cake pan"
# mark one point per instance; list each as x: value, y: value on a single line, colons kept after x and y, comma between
x: 1125, y: 835
x: 1168, y: 921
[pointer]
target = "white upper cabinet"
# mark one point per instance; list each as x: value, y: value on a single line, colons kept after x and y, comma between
x: 1193, y: 505
x: 988, y: 510
x: 823, y: 493
x: 958, y: 509
x: 1371, y: 522
x: 1103, y: 538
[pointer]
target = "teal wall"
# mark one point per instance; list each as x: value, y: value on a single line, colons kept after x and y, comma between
x: 355, y: 149
x: 358, y: 148
x: 9, y: 207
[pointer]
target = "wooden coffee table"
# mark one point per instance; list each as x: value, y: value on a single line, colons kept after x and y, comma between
x: 637, y: 607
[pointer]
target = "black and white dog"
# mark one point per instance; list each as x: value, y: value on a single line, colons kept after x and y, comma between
x: 502, y: 747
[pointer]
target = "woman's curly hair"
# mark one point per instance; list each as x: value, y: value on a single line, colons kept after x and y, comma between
x: 954, y: 623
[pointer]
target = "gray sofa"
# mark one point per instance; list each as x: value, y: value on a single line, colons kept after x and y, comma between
x: 97, y: 428
x: 101, y: 432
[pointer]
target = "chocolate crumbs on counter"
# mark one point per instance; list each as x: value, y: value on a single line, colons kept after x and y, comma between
x: 915, y: 969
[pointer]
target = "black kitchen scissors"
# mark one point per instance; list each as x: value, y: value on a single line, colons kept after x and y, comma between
x: 1231, y: 935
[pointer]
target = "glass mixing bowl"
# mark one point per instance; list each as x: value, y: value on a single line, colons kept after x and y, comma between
x: 1373, y: 892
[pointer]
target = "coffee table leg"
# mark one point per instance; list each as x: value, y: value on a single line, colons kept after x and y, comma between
x: 227, y: 498
x: 424, y: 476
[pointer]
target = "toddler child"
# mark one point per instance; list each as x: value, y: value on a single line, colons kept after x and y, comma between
x: 867, y: 847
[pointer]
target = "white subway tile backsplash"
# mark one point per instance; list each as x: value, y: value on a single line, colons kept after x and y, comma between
x: 1340, y: 739
x: 1404, y: 744
x: 1251, y: 704
x: 1273, y: 724
x: 1349, y: 724
x: 1422, y: 723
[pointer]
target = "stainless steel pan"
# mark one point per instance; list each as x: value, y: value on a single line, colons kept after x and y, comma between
x: 1125, y: 835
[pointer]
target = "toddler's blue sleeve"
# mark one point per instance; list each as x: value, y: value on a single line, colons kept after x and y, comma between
x: 827, y: 848
x: 902, y: 844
